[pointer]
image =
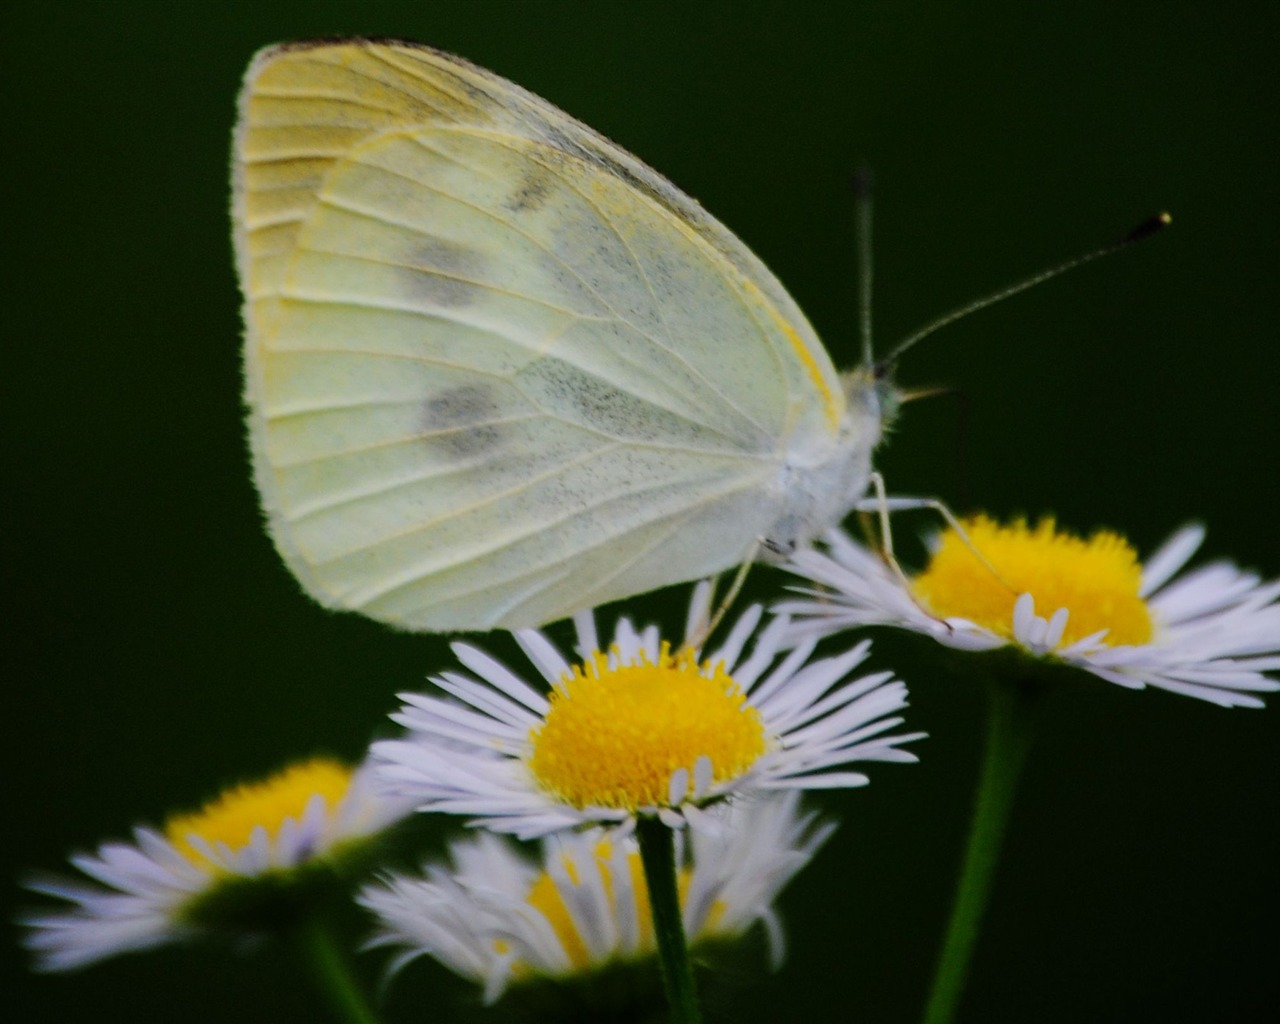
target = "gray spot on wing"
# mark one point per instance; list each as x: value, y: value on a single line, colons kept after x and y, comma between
x: 459, y: 422
x: 443, y: 273
x: 533, y: 192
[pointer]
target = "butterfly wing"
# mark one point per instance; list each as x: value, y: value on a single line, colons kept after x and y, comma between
x: 497, y: 369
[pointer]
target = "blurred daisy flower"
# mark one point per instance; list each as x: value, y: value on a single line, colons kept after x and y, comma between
x: 1090, y: 603
x: 497, y: 919
x: 638, y: 729
x: 233, y: 866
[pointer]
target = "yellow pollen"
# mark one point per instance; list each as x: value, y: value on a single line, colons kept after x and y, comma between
x: 1096, y: 580
x: 545, y: 897
x: 232, y: 816
x: 613, y: 736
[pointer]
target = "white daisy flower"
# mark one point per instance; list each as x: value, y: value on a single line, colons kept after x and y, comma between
x: 157, y: 889
x: 496, y: 919
x: 1211, y: 633
x: 639, y: 730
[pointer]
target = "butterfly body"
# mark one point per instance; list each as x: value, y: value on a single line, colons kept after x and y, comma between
x: 499, y: 370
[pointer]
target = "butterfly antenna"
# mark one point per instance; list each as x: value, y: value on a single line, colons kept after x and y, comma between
x: 862, y: 183
x: 1150, y: 226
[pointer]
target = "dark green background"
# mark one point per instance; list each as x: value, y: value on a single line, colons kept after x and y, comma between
x: 156, y: 648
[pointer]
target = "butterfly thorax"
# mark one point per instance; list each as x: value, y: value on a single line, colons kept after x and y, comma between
x: 826, y: 473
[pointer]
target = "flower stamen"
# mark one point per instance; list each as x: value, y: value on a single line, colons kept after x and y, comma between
x: 1098, y: 580
x: 231, y: 818
x: 615, y: 733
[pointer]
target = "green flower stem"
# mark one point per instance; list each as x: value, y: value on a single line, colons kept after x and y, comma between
x: 1010, y: 717
x: 658, y: 855
x: 333, y: 973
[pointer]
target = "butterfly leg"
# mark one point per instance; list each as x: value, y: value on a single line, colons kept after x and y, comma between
x: 882, y: 505
x: 697, y: 638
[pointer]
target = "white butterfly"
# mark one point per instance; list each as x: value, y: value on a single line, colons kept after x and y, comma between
x: 497, y: 369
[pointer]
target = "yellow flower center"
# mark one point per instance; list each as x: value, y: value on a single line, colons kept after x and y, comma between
x: 232, y: 816
x: 544, y: 896
x: 1097, y: 580
x: 613, y: 736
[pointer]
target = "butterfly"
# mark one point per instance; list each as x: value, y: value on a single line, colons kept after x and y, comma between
x: 498, y: 370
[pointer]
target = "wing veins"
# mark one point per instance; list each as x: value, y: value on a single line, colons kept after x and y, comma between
x: 264, y: 222
x: 416, y: 100
x: 577, y: 513
x: 538, y: 349
x: 296, y: 95
x: 285, y: 187
x: 448, y: 364
x: 361, y: 303
x: 609, y: 439
x: 488, y: 286
x: 523, y: 596
x: 413, y: 69
x: 510, y: 492
x: 589, y: 600
x: 674, y: 353
x: 693, y: 371
x: 330, y: 155
x: 315, y: 508
x: 321, y: 410
x: 491, y: 215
